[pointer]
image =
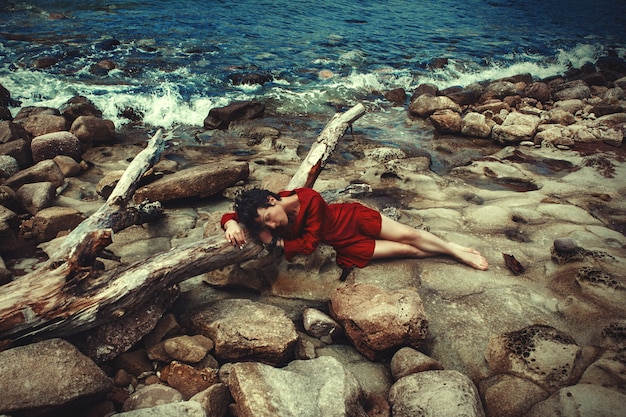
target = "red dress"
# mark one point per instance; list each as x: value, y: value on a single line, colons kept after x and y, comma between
x: 350, y: 228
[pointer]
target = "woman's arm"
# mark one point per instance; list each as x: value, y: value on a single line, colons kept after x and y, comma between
x: 311, y: 230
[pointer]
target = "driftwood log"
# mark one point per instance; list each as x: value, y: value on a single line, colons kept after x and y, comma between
x: 70, y: 293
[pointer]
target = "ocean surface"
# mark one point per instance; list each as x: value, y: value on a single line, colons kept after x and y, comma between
x: 175, y: 60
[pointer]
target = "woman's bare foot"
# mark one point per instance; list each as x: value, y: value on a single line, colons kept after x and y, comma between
x: 470, y: 257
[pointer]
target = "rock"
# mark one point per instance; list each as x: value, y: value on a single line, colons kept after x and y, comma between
x: 57, y: 143
x: 374, y: 377
x: 75, y: 377
x: 93, y: 130
x: 565, y: 245
x: 245, y: 330
x: 8, y: 199
x: 189, y: 349
x: 320, y: 325
x: 135, y: 362
x: 221, y: 117
x: 20, y: 150
x: 311, y: 388
x: 174, y: 409
x: 68, y: 165
x: 79, y: 106
x: 376, y: 320
x: 555, y: 135
x: 259, y: 78
x: 150, y: 396
x: 49, y: 222
x: 5, y: 96
x: 9, y: 229
x: 581, y: 400
x: 214, y: 400
x: 607, y: 371
x: 36, y: 196
x: 538, y: 353
x: 446, y: 121
x: 383, y: 154
x: 559, y: 116
x: 493, y: 107
x: 463, y: 97
x: 425, y: 88
x: 516, y: 128
x: 540, y: 91
x: 499, y: 90
x: 572, y: 105
x: 109, y: 340
x: 167, y: 326
x: 41, y: 123
x: 8, y: 166
x: 10, y: 131
x: 397, y: 96
x: 189, y: 380
x: 44, y: 171
x: 476, y: 125
x: 426, y: 104
x: 407, y: 361
x: 200, y: 181
x: 573, y: 90
x: 435, y: 393
x: 508, y: 396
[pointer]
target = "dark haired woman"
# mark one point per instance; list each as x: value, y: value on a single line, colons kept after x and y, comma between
x: 299, y: 220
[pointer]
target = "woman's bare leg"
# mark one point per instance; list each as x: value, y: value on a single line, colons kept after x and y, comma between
x: 407, y: 241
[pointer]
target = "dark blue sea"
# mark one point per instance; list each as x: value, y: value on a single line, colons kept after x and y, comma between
x: 175, y: 60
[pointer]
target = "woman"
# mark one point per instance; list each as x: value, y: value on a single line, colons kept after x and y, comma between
x: 298, y: 221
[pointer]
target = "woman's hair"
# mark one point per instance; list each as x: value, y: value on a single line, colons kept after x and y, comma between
x: 248, y: 202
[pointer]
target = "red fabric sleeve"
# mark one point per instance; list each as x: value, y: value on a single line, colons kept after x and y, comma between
x: 307, y: 231
x: 228, y: 216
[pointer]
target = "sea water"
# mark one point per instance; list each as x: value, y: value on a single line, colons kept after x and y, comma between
x: 175, y: 60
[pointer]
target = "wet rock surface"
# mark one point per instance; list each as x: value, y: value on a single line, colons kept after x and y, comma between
x: 520, y: 169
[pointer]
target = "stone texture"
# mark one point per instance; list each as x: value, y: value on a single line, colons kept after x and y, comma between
x: 93, y: 130
x: 75, y: 377
x: 408, y: 361
x: 376, y: 320
x: 245, y: 330
x: 312, y: 388
x: 435, y: 393
x: 53, y: 144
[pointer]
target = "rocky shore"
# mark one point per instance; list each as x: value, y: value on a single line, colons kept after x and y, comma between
x: 542, y: 332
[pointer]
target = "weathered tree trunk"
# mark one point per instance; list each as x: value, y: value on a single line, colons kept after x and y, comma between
x: 320, y: 151
x: 69, y: 294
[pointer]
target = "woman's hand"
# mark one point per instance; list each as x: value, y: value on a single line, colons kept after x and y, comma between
x: 234, y: 233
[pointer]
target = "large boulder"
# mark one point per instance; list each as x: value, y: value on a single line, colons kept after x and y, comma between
x: 10, y: 131
x: 79, y: 106
x: 221, y: 117
x: 310, y: 388
x: 20, y: 150
x: 199, y: 181
x: 50, y: 145
x: 245, y: 330
x: 517, y: 127
x: 378, y: 321
x: 36, y: 196
x: 538, y: 353
x: 44, y: 171
x: 74, y: 377
x: 92, y: 129
x: 42, y: 122
x: 426, y: 104
x: 435, y: 393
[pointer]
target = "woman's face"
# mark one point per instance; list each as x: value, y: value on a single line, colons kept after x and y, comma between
x: 273, y: 216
